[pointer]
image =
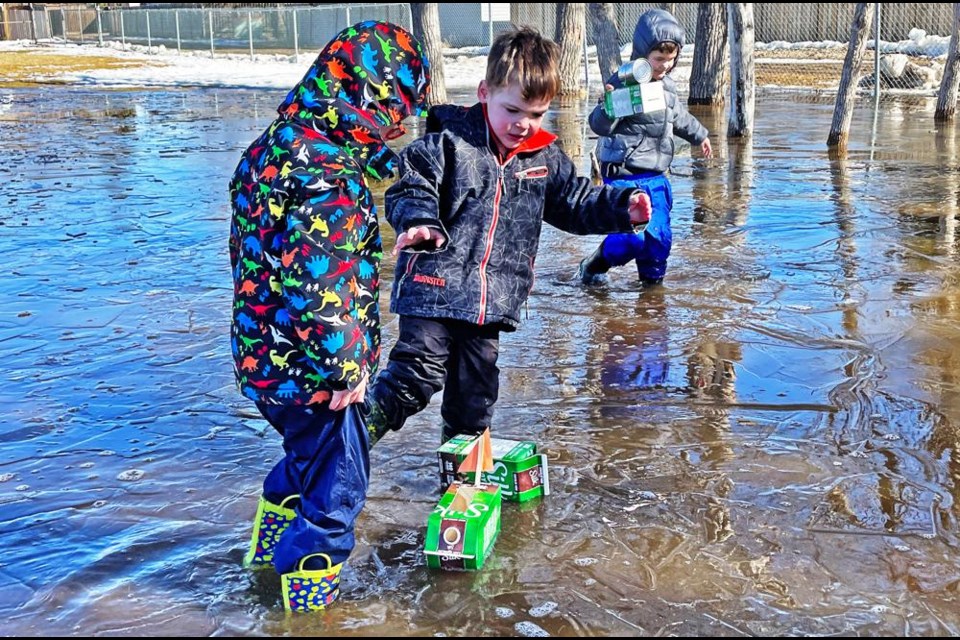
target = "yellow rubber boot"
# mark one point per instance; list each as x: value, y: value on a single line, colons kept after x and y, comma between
x: 271, y: 520
x: 312, y: 590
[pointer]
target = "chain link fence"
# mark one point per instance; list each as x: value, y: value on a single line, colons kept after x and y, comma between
x: 253, y: 30
x: 802, y: 47
x: 798, y: 46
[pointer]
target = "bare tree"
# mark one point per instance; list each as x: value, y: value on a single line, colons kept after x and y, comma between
x: 708, y: 79
x: 4, y: 20
x: 742, y: 78
x: 603, y: 17
x: 426, y: 27
x: 568, y: 125
x: 947, y: 98
x: 850, y: 79
x: 571, y: 28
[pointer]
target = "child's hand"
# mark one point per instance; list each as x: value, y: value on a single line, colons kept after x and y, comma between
x: 416, y: 235
x: 706, y: 149
x: 343, y: 398
x: 640, y: 208
x: 607, y: 88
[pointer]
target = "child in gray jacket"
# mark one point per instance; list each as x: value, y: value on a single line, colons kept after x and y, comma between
x: 637, y: 150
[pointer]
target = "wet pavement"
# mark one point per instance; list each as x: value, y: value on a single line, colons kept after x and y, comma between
x: 767, y: 444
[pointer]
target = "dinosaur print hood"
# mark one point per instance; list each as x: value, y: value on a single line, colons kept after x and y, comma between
x: 372, y: 75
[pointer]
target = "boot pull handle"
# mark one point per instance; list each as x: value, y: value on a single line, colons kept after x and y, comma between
x: 315, y: 555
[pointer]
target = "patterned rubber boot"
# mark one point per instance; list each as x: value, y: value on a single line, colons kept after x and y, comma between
x: 311, y: 589
x: 271, y: 520
x: 374, y: 419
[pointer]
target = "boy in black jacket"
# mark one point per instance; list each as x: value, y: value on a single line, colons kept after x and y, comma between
x: 468, y: 209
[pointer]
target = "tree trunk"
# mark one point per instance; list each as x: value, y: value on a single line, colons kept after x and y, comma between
x: 742, y: 79
x: 670, y: 8
x: 426, y: 28
x: 571, y: 27
x: 708, y: 79
x: 603, y: 16
x: 850, y: 79
x: 4, y: 20
x: 947, y: 98
x: 569, y: 130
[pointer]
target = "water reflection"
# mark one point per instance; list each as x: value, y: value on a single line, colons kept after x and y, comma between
x: 765, y: 445
x: 569, y: 127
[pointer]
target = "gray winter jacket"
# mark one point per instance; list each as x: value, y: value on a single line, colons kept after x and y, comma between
x: 644, y: 142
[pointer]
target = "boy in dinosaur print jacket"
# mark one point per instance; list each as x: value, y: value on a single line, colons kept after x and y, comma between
x: 305, y: 251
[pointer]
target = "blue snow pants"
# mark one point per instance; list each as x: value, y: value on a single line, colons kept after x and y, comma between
x: 327, y: 464
x: 651, y: 247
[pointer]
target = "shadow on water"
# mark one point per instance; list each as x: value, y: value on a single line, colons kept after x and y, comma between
x: 767, y: 444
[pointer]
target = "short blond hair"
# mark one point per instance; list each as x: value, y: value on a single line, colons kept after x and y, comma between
x: 527, y: 58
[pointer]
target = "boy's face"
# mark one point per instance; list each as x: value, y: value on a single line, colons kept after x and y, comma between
x: 661, y: 63
x: 512, y: 119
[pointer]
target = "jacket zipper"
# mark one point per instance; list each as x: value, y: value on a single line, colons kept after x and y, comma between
x: 409, y: 269
x: 489, y: 248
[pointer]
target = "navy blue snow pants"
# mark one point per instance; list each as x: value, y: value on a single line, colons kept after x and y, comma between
x: 327, y: 463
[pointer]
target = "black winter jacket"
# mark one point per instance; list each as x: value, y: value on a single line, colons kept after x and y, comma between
x: 491, y: 212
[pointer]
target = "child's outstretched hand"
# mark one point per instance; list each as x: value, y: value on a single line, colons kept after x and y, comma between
x: 706, y: 148
x: 640, y: 208
x: 417, y: 235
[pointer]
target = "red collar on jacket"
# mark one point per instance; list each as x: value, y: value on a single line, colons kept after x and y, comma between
x: 540, y: 140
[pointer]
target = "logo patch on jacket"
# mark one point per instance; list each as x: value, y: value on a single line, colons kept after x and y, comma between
x: 433, y: 281
x: 532, y: 173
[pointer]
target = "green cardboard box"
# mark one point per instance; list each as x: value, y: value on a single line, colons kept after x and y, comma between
x: 519, y: 471
x: 462, y: 529
x: 637, y: 98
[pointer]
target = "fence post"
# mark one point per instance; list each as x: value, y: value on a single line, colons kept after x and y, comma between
x: 876, y: 56
x: 490, y: 24
x: 176, y: 21
x: 123, y: 35
x: 33, y: 25
x: 210, y: 22
x: 99, y: 28
x: 296, y: 36
x: 79, y: 22
x: 149, y: 39
x: 250, y: 31
x: 349, y: 22
x: 63, y: 24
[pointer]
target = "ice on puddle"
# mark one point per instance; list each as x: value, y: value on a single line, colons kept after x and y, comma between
x: 528, y: 629
x: 544, y: 609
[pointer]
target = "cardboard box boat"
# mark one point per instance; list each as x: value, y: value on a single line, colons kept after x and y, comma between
x: 520, y: 472
x: 462, y: 529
